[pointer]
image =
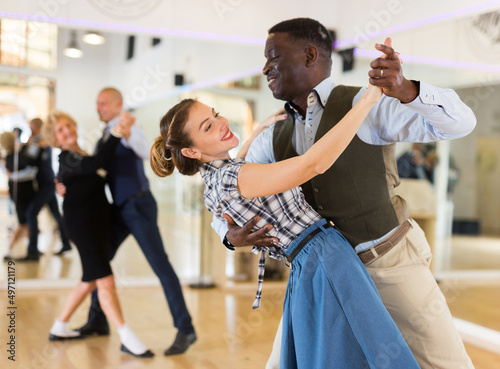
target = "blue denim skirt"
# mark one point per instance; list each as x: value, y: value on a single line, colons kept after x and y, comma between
x: 333, y: 316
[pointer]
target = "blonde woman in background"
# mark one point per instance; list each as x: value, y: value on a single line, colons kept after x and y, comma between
x: 87, y: 216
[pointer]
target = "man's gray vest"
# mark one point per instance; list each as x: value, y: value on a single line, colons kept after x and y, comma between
x: 357, y: 192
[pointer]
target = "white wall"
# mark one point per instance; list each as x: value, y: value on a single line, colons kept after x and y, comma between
x: 233, y: 17
x: 77, y: 83
x: 151, y: 73
x: 244, y: 17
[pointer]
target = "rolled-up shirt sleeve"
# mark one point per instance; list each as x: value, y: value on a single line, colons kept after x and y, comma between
x: 138, y: 142
x: 261, y: 150
x: 436, y: 114
x: 219, y: 227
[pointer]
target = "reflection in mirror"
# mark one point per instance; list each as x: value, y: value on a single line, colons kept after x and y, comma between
x: 461, y: 223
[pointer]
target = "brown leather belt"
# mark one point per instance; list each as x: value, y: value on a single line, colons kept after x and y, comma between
x: 367, y: 256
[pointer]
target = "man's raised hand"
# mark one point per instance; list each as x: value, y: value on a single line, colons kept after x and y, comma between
x: 387, y: 74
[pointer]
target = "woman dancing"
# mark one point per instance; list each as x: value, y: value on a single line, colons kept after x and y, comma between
x: 333, y: 315
x: 87, y: 216
x: 21, y: 175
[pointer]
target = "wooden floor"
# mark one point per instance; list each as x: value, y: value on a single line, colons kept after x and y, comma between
x: 230, y: 334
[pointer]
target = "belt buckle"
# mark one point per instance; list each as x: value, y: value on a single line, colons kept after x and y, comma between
x: 374, y: 252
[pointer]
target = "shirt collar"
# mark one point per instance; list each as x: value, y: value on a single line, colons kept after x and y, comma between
x: 323, y: 90
x: 319, y: 93
x: 112, y: 122
x: 206, y: 168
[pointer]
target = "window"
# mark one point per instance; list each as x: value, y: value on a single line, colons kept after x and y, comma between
x: 28, y: 44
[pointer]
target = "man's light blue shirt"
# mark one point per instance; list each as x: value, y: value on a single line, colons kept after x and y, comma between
x: 137, y: 140
x: 435, y: 114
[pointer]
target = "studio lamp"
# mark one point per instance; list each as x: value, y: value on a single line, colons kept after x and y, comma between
x: 93, y: 38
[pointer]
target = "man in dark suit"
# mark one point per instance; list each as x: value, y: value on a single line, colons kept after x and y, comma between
x: 136, y: 214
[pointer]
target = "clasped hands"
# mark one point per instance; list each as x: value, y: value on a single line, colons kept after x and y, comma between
x: 387, y: 74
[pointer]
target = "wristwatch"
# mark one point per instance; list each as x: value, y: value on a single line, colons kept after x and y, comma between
x: 228, y: 244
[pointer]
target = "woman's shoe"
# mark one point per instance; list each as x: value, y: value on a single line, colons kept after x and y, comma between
x: 145, y: 354
x: 55, y: 337
x: 61, y: 332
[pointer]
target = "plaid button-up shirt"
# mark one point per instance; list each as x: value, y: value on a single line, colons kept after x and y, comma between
x: 288, y: 212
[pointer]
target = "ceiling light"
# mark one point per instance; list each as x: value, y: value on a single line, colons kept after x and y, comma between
x: 73, y: 51
x: 93, y: 38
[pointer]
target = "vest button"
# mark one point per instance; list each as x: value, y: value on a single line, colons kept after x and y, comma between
x: 320, y: 207
x: 316, y: 189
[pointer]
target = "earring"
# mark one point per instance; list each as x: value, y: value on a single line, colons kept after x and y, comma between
x: 199, y: 157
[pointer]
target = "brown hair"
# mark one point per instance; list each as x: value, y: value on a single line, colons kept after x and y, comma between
x: 166, y: 150
x: 37, y: 122
x: 8, y: 141
x: 49, y: 126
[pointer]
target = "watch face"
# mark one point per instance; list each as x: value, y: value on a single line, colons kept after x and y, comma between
x: 482, y: 34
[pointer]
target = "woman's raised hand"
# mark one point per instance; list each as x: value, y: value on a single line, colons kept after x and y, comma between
x: 273, y: 118
x: 279, y: 115
x: 373, y: 93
